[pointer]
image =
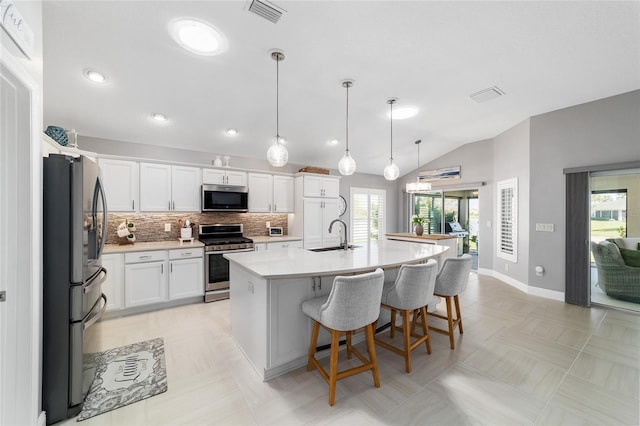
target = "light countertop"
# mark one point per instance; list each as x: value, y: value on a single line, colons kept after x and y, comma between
x: 296, y: 262
x: 409, y: 235
x: 267, y: 239
x: 145, y: 246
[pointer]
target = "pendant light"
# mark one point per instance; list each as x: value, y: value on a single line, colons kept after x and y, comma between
x: 277, y: 155
x: 347, y: 165
x: 418, y: 187
x: 391, y: 170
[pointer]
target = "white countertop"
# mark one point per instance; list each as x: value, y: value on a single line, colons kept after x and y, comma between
x: 157, y: 245
x: 296, y: 262
x: 267, y: 239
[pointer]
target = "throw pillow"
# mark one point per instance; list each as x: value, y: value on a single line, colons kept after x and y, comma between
x: 631, y: 257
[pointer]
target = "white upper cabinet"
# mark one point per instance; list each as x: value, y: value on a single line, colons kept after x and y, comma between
x: 321, y: 186
x: 223, y: 177
x: 270, y: 194
x: 283, y: 194
x: 120, y: 179
x: 169, y: 188
x: 185, y: 189
x: 260, y: 193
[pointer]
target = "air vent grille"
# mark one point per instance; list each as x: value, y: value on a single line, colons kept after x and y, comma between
x: 267, y: 10
x: 487, y: 94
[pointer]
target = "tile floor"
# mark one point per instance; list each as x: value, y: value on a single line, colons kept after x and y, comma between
x: 522, y: 360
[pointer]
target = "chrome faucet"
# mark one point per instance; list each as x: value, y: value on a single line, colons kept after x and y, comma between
x: 345, y: 243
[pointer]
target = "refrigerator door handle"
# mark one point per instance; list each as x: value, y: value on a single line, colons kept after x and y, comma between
x: 97, y: 281
x: 95, y: 317
x: 100, y: 189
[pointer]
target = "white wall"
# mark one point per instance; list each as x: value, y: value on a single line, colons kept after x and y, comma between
x: 27, y: 299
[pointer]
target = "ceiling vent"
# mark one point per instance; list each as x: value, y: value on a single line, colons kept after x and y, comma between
x: 487, y: 94
x: 267, y: 10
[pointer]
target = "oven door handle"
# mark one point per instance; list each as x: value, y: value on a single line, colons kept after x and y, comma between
x: 227, y: 251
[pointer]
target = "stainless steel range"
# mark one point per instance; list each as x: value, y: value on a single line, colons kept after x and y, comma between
x: 220, y: 239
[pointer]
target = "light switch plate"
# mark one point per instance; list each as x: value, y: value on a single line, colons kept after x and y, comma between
x: 544, y: 227
x: 167, y: 227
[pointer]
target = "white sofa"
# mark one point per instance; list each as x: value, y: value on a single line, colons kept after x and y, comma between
x: 627, y: 243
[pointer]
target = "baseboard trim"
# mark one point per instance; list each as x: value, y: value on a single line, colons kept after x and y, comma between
x: 534, y: 291
x: 42, y: 419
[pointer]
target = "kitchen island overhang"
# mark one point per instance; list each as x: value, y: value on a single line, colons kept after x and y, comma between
x: 268, y: 288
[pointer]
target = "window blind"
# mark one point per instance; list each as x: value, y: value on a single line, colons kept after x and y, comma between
x: 367, y: 214
x: 507, y: 219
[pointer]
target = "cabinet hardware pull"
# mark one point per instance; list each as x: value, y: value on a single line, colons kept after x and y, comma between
x: 320, y: 284
x: 275, y: 207
x: 186, y: 254
x: 162, y: 269
x: 133, y: 204
x: 172, y: 268
x: 174, y: 205
x: 169, y: 205
x: 144, y: 257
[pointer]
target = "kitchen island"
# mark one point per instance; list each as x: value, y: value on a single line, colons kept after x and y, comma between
x: 454, y: 244
x: 268, y: 288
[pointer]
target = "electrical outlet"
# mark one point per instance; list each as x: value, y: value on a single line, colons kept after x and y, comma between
x: 167, y: 227
x: 506, y: 267
x: 268, y: 224
x: 251, y: 288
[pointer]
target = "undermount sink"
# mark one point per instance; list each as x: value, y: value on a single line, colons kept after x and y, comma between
x: 351, y: 247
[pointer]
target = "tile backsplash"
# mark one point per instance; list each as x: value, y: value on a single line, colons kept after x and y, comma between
x: 150, y: 226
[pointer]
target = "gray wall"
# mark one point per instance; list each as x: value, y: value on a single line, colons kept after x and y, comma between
x: 599, y: 132
x: 476, y: 162
x: 511, y: 160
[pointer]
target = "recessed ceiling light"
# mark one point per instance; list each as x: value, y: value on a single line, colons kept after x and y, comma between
x: 198, y: 37
x: 95, y: 76
x: 159, y: 117
x: 402, y: 113
x: 334, y: 142
x: 231, y: 132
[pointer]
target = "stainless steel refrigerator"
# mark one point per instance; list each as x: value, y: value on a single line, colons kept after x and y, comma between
x: 74, y: 233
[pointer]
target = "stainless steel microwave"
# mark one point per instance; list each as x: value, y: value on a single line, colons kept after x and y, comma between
x: 225, y: 198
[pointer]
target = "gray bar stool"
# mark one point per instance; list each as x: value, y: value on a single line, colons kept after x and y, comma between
x: 409, y: 294
x: 353, y: 303
x: 450, y: 282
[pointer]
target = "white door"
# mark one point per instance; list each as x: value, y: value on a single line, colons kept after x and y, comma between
x: 331, y: 187
x: 155, y: 187
x: 185, y: 189
x: 20, y: 192
x: 186, y: 278
x: 329, y: 213
x: 282, y: 194
x: 120, y: 180
x: 145, y: 283
x: 213, y: 177
x: 236, y: 178
x: 313, y: 228
x: 260, y: 193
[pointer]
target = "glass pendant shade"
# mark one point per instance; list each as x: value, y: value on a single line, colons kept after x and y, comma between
x: 418, y: 187
x: 391, y: 170
x: 277, y: 154
x: 347, y: 164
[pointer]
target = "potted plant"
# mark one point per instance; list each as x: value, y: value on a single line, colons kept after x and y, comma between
x: 418, y: 222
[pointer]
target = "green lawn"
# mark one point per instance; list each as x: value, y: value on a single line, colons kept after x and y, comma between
x: 606, y: 228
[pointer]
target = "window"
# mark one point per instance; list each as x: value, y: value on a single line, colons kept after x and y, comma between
x: 367, y: 214
x: 507, y: 238
x: 428, y: 206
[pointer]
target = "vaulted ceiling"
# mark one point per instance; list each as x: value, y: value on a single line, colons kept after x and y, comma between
x: 432, y: 55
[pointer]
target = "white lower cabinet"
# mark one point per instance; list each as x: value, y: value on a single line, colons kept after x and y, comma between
x: 113, y: 287
x: 277, y: 245
x: 145, y: 282
x: 186, y: 271
x: 152, y: 277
